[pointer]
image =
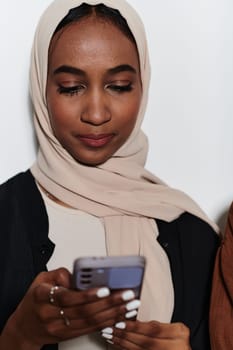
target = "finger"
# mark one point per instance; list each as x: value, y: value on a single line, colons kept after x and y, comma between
x: 74, y: 297
x: 60, y: 277
x: 132, y: 341
x: 55, y: 325
x: 56, y: 322
x: 158, y: 329
x: 68, y: 297
x: 94, y: 295
x: 113, y: 302
x: 59, y: 330
x: 94, y: 316
x: 65, y: 297
x: 114, y: 306
x: 83, y: 317
x: 125, y: 344
x: 89, y: 314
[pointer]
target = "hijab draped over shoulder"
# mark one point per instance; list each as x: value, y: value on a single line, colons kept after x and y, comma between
x: 121, y: 192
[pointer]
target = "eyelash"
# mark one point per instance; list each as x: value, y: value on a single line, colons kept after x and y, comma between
x: 121, y: 88
x: 74, y: 90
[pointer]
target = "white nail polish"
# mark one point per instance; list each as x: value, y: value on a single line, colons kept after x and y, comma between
x: 128, y: 295
x: 120, y: 325
x: 131, y: 314
x: 107, y: 336
x: 103, y: 292
x: 108, y: 330
x: 110, y: 342
x: 133, y: 305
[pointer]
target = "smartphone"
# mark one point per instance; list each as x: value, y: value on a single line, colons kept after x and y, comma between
x: 114, y: 272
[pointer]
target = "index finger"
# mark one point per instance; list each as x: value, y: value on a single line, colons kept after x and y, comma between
x: 68, y: 297
x: 71, y: 297
x: 61, y: 277
x: 154, y: 329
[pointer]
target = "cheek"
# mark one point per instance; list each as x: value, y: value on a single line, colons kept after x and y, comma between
x: 61, y: 114
x: 131, y: 113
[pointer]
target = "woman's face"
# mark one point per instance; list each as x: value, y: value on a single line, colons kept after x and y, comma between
x: 93, y: 89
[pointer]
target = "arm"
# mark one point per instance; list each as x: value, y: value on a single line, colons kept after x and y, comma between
x: 221, y: 310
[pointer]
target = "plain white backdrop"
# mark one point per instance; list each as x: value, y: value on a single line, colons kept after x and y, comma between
x: 189, y: 120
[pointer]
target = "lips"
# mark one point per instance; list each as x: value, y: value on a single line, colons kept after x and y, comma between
x: 95, y: 141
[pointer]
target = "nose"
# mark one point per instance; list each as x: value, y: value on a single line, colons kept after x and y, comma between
x: 96, y: 110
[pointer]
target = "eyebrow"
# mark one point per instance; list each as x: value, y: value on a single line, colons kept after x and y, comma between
x: 78, y: 71
x: 122, y: 68
x: 69, y: 69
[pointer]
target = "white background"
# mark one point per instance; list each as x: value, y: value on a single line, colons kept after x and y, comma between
x: 189, y: 120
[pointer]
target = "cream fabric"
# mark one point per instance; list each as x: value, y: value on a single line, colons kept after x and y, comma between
x: 72, y: 230
x: 80, y: 229
x: 121, y: 192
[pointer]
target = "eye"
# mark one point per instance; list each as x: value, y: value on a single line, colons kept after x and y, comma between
x: 71, y: 90
x: 120, y: 88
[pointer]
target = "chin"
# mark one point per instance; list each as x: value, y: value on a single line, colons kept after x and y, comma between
x: 90, y: 158
x: 91, y: 162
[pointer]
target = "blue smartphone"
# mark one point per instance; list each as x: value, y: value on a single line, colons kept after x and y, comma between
x: 114, y: 272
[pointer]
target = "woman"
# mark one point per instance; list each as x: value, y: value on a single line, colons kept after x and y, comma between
x: 221, y: 318
x: 89, y: 86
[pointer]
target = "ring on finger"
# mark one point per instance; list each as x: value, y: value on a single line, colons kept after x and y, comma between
x: 52, y: 294
x: 64, y: 317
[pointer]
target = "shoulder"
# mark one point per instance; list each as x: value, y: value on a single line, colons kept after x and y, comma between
x: 191, y: 231
x: 191, y: 245
x: 196, y: 232
x: 20, y: 196
x: 13, y: 185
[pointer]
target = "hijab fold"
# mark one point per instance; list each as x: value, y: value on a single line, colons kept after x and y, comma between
x: 121, y: 192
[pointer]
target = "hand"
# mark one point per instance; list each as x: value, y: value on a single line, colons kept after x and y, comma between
x: 45, y: 318
x: 136, y: 335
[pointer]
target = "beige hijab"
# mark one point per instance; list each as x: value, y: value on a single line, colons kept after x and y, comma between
x: 120, y: 192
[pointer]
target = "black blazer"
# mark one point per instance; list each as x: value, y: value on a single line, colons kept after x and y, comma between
x: 25, y: 250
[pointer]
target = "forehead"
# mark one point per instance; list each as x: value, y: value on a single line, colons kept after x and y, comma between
x: 92, y: 38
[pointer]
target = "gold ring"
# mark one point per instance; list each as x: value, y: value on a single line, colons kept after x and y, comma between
x: 65, y: 319
x: 52, y: 294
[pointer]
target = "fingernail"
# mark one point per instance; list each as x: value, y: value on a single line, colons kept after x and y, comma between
x: 128, y: 295
x: 108, y: 330
x: 110, y: 342
x: 107, y: 336
x: 103, y: 292
x: 131, y: 314
x: 133, y: 305
x: 120, y: 325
